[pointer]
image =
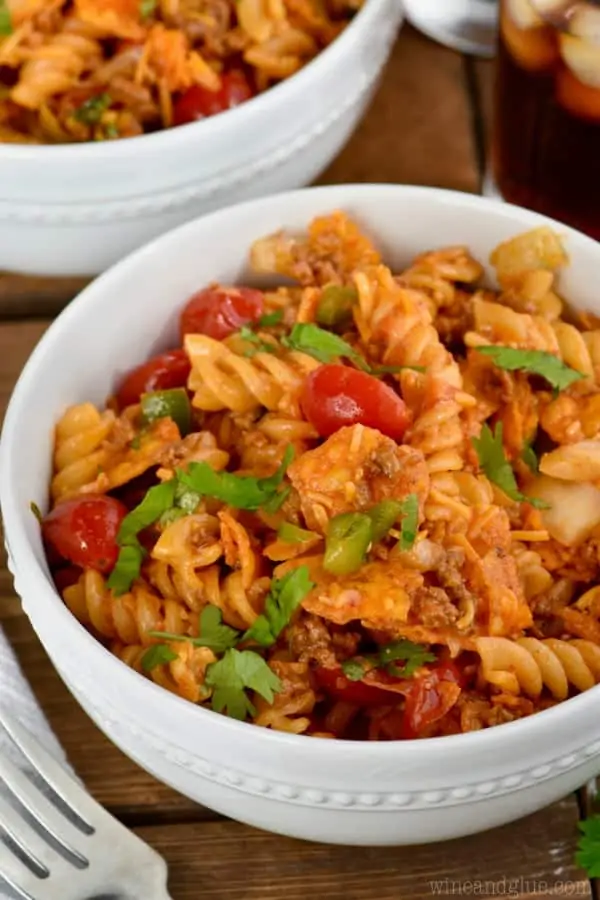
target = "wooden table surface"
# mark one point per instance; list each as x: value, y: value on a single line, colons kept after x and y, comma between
x: 427, y: 125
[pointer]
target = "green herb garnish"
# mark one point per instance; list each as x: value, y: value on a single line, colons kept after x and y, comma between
x: 537, y: 362
x: 258, y: 345
x: 410, y: 522
x: 241, y: 492
x: 157, y: 501
x: 213, y: 634
x: 36, y: 511
x: 147, y: 7
x: 490, y: 452
x: 91, y: 111
x: 234, y: 674
x: 157, y: 655
x: 270, y: 319
x: 588, y: 846
x: 322, y: 345
x: 412, y: 655
x: 283, y: 600
x: 6, y: 26
x: 530, y: 459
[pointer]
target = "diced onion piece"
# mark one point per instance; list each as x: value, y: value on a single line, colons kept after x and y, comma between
x: 582, y: 58
x: 574, y: 508
x: 574, y: 462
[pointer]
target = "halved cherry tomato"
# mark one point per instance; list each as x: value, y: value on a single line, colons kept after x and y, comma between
x: 219, y: 311
x: 336, y: 685
x: 430, y: 696
x: 334, y: 396
x: 83, y: 531
x: 168, y: 370
x: 198, y: 102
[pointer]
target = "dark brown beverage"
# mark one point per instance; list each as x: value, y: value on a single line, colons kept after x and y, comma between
x: 546, y: 142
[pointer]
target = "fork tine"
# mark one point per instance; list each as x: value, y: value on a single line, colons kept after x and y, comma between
x: 27, y: 839
x: 40, y: 807
x: 13, y: 871
x: 79, y: 801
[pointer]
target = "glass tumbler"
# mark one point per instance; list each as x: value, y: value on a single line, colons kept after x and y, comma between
x: 546, y: 134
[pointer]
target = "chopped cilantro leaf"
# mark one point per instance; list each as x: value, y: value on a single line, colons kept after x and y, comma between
x: 284, y: 598
x: 410, y: 522
x: 234, y: 674
x: 90, y: 112
x: 241, y: 492
x: 127, y: 568
x: 157, y: 655
x: 322, y: 345
x: 588, y: 846
x: 270, y: 319
x: 258, y: 345
x: 537, y: 362
x: 213, y: 634
x: 490, y: 452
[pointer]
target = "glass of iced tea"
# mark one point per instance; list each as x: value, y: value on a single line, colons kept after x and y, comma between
x: 546, y: 137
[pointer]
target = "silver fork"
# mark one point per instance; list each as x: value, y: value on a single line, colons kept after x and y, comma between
x: 59, y: 844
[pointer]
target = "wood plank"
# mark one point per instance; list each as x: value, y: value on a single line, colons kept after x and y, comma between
x: 417, y: 129
x: 23, y: 296
x: 533, y: 857
x: 110, y: 776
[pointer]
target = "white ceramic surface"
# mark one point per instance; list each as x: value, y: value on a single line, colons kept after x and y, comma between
x: 77, y: 209
x: 345, y: 792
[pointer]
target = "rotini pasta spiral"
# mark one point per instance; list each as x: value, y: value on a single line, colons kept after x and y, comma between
x: 529, y: 665
x: 56, y: 65
x: 222, y: 379
x: 183, y: 675
x: 78, y: 447
x: 129, y: 617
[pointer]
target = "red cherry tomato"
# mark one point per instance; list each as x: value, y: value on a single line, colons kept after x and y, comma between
x: 168, y: 370
x: 198, y: 102
x: 334, y: 396
x: 219, y: 311
x: 83, y: 531
x: 429, y: 697
x: 336, y: 685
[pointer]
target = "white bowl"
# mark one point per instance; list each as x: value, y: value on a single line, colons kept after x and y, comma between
x: 334, y: 791
x: 77, y: 209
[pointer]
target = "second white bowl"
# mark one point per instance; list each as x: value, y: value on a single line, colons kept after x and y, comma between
x: 77, y: 209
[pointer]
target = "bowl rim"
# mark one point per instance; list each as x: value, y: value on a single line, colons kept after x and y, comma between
x: 27, y: 569
x: 165, y: 139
